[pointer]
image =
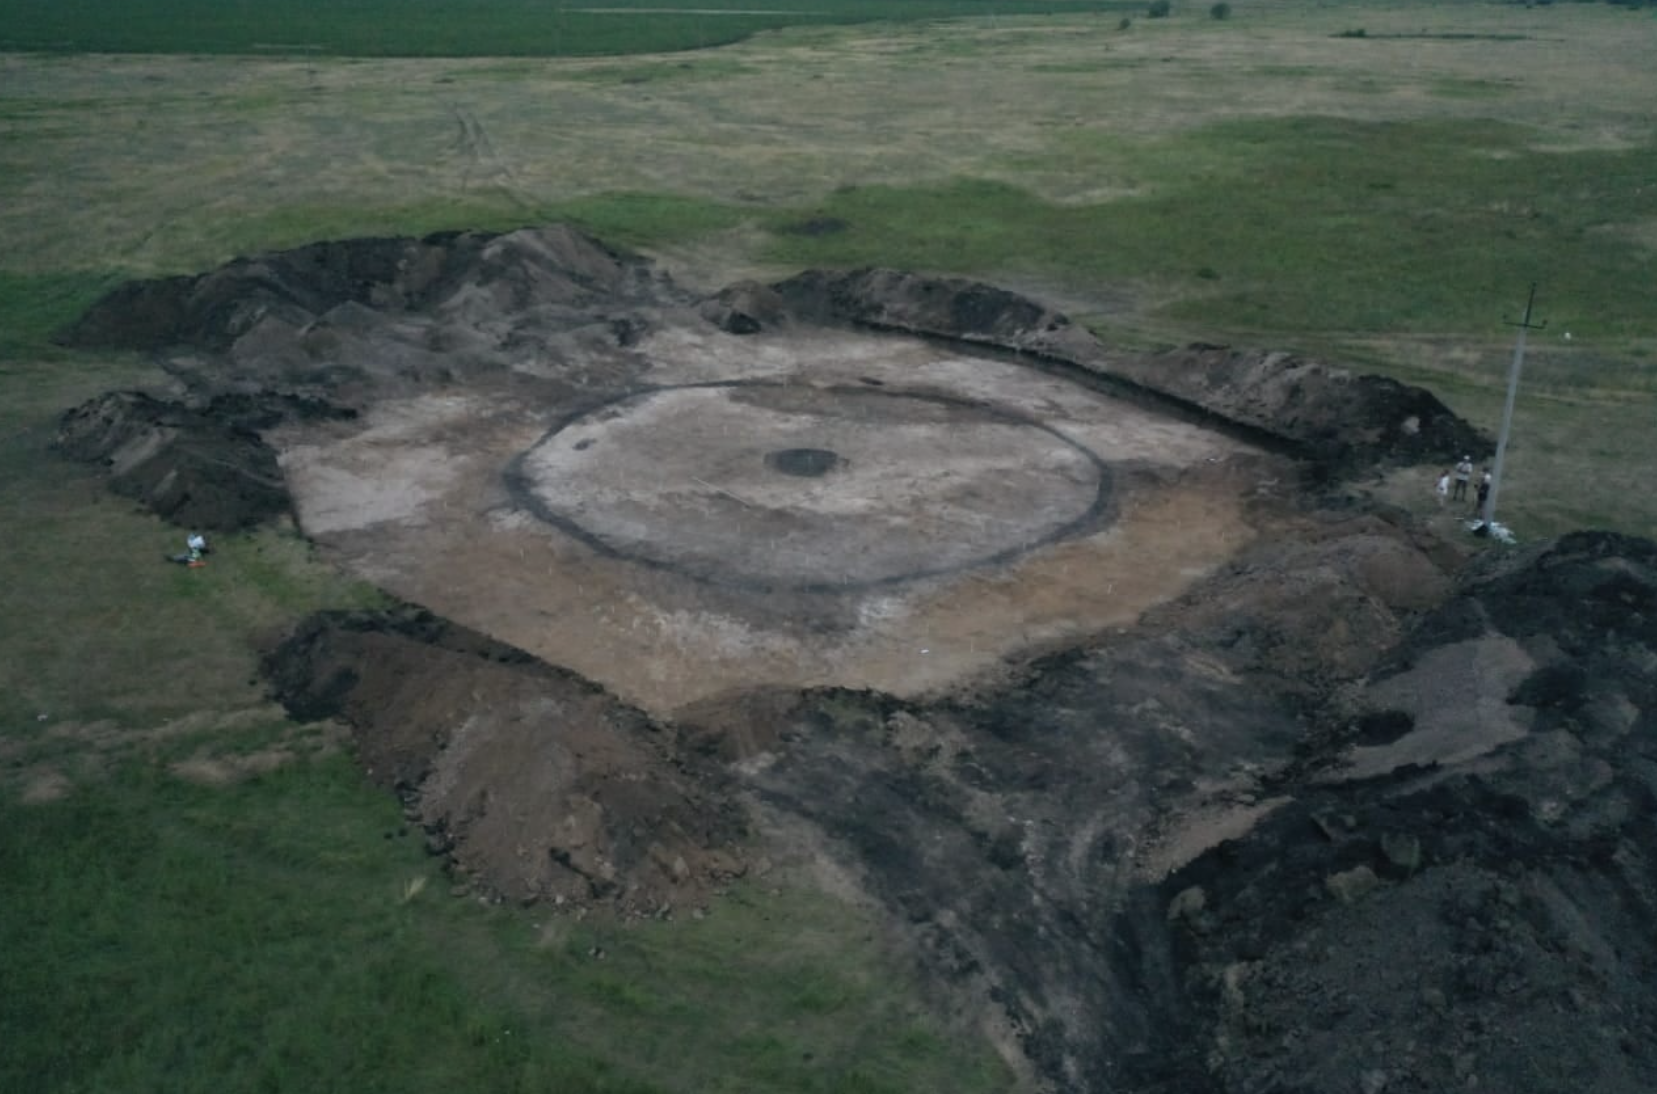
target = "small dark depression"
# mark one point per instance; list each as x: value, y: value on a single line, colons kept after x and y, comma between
x: 805, y: 463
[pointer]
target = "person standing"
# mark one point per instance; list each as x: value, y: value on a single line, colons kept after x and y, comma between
x: 1443, y: 488
x: 1483, y: 494
x: 1464, y: 473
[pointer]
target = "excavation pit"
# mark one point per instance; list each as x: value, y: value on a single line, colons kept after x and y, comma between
x: 1061, y: 680
x: 554, y: 445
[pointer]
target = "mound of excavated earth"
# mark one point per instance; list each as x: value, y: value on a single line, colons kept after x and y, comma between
x: 1176, y: 761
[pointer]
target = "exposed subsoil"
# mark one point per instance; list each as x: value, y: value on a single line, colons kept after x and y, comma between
x: 1170, y: 755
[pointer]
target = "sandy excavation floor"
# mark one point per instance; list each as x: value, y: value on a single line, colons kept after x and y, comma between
x: 798, y: 507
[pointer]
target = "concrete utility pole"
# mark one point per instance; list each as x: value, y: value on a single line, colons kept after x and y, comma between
x: 1524, y: 325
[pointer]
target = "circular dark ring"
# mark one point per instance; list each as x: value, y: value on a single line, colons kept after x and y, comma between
x: 521, y: 489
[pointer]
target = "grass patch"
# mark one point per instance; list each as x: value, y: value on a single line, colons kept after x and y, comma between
x: 624, y: 219
x: 1301, y: 224
x: 661, y: 72
x: 280, y: 934
x: 447, y: 28
x: 97, y: 626
x: 1471, y: 89
x: 181, y: 939
x: 778, y: 974
x: 639, y: 220
x: 33, y: 306
x: 160, y: 640
x: 283, y: 226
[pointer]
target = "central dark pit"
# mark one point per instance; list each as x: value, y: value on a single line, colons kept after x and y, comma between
x: 807, y: 463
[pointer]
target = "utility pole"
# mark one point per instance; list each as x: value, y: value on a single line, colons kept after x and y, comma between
x: 1524, y: 325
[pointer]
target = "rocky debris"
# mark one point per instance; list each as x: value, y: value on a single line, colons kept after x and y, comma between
x: 535, y: 784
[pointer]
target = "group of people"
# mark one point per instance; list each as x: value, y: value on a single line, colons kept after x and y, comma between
x: 1461, y: 476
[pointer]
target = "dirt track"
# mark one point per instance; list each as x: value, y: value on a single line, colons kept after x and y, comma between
x: 1181, y: 763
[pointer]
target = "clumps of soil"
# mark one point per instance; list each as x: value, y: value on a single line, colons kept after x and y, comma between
x: 535, y: 784
x: 1480, y: 914
x: 1340, y: 421
x: 947, y: 307
x: 450, y: 273
x: 744, y: 308
x: 1186, y: 858
x: 359, y: 321
x: 333, y: 328
x: 1307, y: 612
x: 197, y: 468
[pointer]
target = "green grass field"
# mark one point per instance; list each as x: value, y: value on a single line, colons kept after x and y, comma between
x: 157, y: 939
x: 452, y: 28
x: 178, y: 915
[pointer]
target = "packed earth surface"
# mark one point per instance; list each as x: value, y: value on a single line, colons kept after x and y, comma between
x: 1177, y: 760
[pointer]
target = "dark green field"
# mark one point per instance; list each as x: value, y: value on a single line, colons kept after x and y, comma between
x: 444, y: 28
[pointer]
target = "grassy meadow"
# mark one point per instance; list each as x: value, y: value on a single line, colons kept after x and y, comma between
x: 456, y: 28
x: 200, y: 895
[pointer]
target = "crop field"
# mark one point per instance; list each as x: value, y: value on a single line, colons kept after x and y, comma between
x: 202, y: 895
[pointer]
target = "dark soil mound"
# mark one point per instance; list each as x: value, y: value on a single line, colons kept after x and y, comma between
x: 1479, y: 915
x: 333, y: 328
x: 534, y: 783
x: 447, y: 271
x: 744, y: 308
x: 948, y: 307
x: 1340, y: 420
x: 196, y: 468
x: 1363, y: 897
x: 1006, y: 830
x: 356, y: 321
